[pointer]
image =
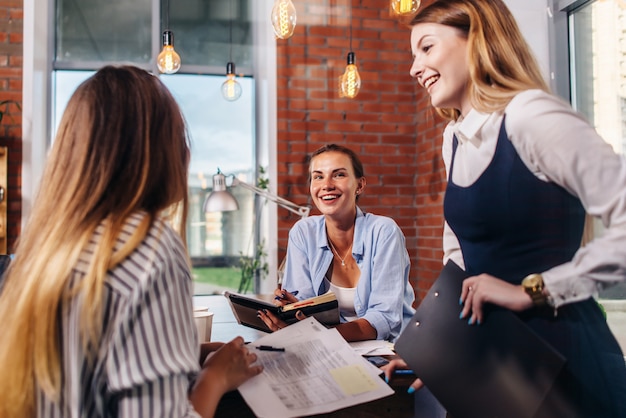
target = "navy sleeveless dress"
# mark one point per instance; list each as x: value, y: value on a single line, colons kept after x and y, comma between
x: 509, y: 224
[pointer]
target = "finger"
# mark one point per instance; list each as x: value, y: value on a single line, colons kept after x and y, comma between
x: 417, y: 384
x: 237, y: 341
x: 467, y: 302
x: 266, y: 320
x: 251, y: 358
x: 477, y: 309
x: 466, y: 288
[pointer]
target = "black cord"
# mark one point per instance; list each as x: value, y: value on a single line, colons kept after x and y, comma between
x: 231, y: 31
x: 350, y: 29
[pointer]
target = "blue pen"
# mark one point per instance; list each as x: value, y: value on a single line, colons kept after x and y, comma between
x: 403, y: 371
x: 295, y: 292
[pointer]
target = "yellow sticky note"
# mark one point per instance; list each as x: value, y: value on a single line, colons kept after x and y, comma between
x: 353, y: 379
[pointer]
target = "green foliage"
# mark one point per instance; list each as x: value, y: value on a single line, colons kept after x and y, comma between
x: 257, y: 264
x: 221, y: 277
x: 251, y: 266
x: 262, y: 182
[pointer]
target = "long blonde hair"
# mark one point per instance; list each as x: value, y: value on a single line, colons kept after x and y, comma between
x: 121, y: 147
x: 501, y: 63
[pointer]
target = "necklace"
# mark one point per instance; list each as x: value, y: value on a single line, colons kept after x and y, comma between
x: 343, y: 260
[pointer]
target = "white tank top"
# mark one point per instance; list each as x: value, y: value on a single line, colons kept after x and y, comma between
x: 345, y: 297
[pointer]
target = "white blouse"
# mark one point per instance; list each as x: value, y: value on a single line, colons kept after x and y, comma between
x: 558, y: 145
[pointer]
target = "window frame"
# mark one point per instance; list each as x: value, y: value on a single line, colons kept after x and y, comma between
x: 37, y: 123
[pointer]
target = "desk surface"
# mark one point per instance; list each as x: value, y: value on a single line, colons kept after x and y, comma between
x: 225, y: 328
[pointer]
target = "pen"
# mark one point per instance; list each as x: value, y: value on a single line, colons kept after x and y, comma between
x: 295, y: 292
x: 269, y: 348
x: 403, y: 371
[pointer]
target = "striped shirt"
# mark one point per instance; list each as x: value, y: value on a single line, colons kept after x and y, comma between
x: 148, y: 351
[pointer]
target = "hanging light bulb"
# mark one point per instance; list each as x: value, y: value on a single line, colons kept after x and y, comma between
x: 231, y: 89
x: 404, y: 7
x: 350, y: 80
x: 283, y: 18
x: 168, y: 60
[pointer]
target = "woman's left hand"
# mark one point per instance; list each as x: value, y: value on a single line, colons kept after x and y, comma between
x: 481, y: 289
x: 273, y: 322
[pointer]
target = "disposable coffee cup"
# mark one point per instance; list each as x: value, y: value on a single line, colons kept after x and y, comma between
x: 204, y: 323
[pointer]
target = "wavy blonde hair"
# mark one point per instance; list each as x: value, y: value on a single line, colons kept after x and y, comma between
x: 501, y: 63
x: 121, y: 147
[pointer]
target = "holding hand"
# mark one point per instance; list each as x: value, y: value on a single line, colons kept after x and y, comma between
x: 233, y: 363
x: 223, y: 370
x: 400, y: 364
x: 283, y: 297
x: 477, y: 290
x: 273, y: 322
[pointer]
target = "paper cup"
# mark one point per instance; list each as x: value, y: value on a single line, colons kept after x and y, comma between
x: 204, y: 323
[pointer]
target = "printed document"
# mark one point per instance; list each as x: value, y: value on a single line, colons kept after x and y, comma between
x: 318, y: 372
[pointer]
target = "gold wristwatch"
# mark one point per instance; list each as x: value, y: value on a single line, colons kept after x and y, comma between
x: 533, y: 285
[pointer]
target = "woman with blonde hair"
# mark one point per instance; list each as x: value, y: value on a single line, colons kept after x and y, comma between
x: 523, y: 168
x: 96, y: 306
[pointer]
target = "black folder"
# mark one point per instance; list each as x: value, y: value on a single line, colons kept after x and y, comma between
x: 500, y: 368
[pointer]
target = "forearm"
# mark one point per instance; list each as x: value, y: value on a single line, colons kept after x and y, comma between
x: 357, y: 330
x: 206, y: 394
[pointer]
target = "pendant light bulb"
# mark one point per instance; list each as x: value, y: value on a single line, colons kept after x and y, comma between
x: 168, y: 61
x: 283, y: 18
x: 231, y: 89
x: 404, y: 7
x: 350, y: 80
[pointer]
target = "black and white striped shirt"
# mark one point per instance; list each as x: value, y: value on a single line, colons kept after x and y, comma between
x: 148, y: 351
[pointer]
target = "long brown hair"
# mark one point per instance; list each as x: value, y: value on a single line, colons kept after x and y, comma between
x: 121, y: 148
x: 501, y: 63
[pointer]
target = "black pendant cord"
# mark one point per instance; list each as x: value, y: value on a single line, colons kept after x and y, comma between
x: 231, y: 32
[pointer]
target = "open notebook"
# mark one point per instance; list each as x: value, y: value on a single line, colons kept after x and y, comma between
x: 324, y: 308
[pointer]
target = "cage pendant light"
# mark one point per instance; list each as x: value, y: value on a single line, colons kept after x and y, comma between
x: 350, y: 82
x: 168, y: 61
x: 231, y: 89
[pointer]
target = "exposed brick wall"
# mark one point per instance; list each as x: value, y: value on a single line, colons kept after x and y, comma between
x: 390, y: 124
x: 11, y: 34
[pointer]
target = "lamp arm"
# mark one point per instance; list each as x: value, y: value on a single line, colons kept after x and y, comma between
x: 302, y: 211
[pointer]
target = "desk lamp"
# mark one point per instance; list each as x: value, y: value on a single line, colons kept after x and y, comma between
x: 221, y: 200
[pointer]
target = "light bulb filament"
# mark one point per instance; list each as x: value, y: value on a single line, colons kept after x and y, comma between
x: 283, y: 18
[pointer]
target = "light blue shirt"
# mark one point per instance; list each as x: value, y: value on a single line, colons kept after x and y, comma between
x: 384, y: 296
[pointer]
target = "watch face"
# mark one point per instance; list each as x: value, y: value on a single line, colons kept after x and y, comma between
x: 533, y: 282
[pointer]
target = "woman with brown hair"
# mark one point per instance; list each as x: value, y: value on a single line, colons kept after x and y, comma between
x: 360, y: 257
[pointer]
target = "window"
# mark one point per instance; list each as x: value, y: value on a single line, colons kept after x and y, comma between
x: 207, y: 34
x: 598, y: 77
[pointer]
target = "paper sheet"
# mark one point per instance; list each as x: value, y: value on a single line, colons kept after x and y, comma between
x: 317, y: 373
x: 373, y: 348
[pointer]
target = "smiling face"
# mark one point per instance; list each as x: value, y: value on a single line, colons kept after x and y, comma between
x: 334, y: 185
x: 440, y: 65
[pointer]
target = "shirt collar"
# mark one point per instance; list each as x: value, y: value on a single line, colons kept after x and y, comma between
x: 466, y: 128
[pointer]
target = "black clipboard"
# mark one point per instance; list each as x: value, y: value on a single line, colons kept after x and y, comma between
x: 500, y: 368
